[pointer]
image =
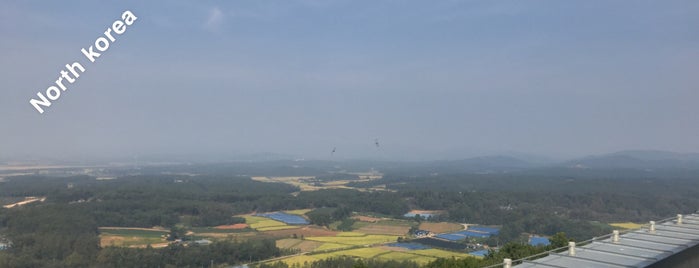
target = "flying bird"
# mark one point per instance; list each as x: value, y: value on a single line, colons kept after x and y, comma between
x: 333, y: 152
x: 376, y: 141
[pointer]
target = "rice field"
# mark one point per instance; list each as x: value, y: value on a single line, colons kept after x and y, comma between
x: 439, y: 253
x: 288, y: 243
x: 364, y: 253
x: 355, y: 240
x: 398, y: 256
x: 419, y: 256
x: 330, y: 246
x: 301, y: 259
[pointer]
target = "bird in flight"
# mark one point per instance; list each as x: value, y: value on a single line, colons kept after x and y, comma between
x: 333, y: 152
x: 376, y: 141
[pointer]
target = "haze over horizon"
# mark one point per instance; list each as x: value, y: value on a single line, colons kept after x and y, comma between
x: 445, y: 80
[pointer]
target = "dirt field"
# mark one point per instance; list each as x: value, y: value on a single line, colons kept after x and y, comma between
x: 384, y: 229
x: 441, y: 227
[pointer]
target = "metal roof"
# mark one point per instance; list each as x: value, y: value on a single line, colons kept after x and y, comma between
x: 636, y: 248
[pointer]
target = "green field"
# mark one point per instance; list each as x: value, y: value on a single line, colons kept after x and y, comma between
x: 125, y: 237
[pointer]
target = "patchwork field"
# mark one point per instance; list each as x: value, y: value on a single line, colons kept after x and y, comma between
x: 265, y: 224
x: 419, y: 256
x: 306, y: 231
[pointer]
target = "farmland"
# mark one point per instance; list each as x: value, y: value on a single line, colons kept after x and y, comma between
x: 421, y: 256
x: 355, y: 240
x: 265, y: 224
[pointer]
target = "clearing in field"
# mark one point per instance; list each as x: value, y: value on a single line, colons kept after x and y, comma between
x: 441, y: 227
x: 627, y: 225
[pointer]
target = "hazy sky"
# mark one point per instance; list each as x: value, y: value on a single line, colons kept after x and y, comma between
x: 429, y: 79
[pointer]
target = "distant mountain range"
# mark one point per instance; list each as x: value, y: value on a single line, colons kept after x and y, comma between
x: 643, y: 161
x: 638, y: 160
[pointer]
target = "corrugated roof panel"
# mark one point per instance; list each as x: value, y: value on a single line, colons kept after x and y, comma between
x: 639, y: 248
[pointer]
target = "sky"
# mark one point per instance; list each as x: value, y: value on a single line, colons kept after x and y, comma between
x: 428, y: 79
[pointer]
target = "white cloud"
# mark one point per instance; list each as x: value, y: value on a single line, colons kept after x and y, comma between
x: 214, y: 20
